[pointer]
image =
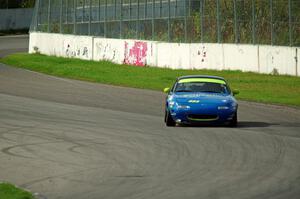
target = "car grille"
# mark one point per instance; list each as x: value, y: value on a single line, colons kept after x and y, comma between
x: 202, y: 117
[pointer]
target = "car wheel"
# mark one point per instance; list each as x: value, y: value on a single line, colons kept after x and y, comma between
x: 234, y: 121
x: 168, y: 119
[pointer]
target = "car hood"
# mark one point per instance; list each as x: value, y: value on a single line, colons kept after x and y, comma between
x: 203, y: 98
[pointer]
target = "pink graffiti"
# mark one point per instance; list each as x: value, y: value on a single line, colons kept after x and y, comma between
x: 137, y: 54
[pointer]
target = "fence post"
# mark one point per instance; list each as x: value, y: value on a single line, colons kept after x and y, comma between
x: 185, y: 22
x: 37, y: 15
x: 290, y: 23
x: 175, y: 10
x: 60, y: 16
x: 145, y: 9
x: 121, y: 18
x: 253, y: 22
x: 218, y: 21
x: 201, y: 20
x: 66, y: 19
x: 49, y: 15
x: 99, y: 10
x: 160, y: 7
x: 75, y: 9
x: 153, y: 7
x: 189, y: 8
x: 83, y: 11
x: 130, y: 11
x: 99, y: 17
x: 105, y: 19
x: 115, y: 10
x: 271, y: 21
x: 235, y: 22
x: 137, y: 22
x: 90, y: 16
x: 169, y: 21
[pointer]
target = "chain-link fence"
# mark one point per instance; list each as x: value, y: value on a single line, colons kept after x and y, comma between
x: 275, y: 22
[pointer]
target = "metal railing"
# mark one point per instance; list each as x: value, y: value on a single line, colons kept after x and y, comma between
x: 272, y: 22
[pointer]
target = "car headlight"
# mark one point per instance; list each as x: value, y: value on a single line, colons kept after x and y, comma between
x: 183, y: 107
x: 234, y: 106
x: 223, y: 107
x: 171, y: 104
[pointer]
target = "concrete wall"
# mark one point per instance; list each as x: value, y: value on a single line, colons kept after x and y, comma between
x: 13, y: 19
x: 254, y: 58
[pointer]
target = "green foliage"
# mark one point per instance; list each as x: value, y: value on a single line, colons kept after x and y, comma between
x: 68, y: 29
x: 16, y: 4
x: 129, y: 30
x: 252, y: 86
x: 194, y: 28
x: 14, y: 32
x: 27, y: 3
x: 177, y: 30
x: 9, y: 191
x: 263, y: 30
x: 54, y: 27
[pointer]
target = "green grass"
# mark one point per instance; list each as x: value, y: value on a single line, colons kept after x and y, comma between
x: 265, y: 88
x: 9, y: 191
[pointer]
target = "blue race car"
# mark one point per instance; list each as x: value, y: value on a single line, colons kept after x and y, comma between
x: 200, y: 99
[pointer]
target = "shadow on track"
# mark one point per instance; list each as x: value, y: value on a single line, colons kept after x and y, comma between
x: 253, y: 124
x: 241, y: 124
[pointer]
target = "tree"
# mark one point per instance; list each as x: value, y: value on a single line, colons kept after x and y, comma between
x: 27, y: 3
x: 5, y: 4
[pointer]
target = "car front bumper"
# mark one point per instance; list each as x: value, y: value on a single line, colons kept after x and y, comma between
x: 203, y: 116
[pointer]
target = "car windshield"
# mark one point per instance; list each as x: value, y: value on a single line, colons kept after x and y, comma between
x: 211, y: 87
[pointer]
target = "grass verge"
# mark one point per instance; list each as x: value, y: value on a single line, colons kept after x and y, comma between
x: 275, y: 89
x: 9, y: 191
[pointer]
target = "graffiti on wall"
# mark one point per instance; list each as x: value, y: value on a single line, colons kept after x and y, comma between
x: 135, y: 54
x: 105, y: 51
x: 198, y: 56
x: 79, y: 50
x: 271, y: 55
x: 70, y: 51
x: 202, y: 53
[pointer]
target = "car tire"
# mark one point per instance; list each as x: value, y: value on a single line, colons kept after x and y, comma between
x: 234, y: 121
x: 168, y: 119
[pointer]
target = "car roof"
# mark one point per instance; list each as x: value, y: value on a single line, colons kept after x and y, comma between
x: 200, y: 76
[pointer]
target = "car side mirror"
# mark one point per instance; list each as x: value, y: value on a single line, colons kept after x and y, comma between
x: 166, y: 90
x: 235, y: 92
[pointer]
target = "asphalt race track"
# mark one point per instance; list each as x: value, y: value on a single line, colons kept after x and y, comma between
x: 74, y: 140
